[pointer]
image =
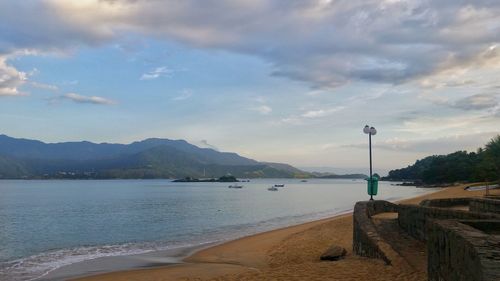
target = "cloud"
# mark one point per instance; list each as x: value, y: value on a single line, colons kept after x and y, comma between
x: 323, y: 43
x: 158, y: 72
x: 43, y: 86
x: 262, y: 106
x: 11, y: 79
x: 185, y: 94
x: 473, y: 102
x: 77, y: 98
x: 263, y: 109
x: 308, y: 116
x: 207, y: 145
x: 476, y: 102
x: 445, y: 144
x: 321, y: 112
x: 291, y: 120
x: 70, y: 83
x: 433, y: 83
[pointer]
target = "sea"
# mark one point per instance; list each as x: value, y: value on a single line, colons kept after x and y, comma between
x: 49, y: 227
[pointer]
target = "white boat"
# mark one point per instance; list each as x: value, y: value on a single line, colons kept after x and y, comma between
x: 273, y: 188
x: 235, y: 186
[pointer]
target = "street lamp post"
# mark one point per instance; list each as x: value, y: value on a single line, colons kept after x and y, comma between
x: 370, y: 131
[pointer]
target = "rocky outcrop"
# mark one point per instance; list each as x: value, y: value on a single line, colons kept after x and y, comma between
x: 334, y: 253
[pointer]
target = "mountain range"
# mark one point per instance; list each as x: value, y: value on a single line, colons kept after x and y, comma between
x: 150, y: 158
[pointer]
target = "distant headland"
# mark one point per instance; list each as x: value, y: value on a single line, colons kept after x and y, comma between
x: 221, y: 179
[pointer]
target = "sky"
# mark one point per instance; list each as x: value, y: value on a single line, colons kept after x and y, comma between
x: 281, y: 81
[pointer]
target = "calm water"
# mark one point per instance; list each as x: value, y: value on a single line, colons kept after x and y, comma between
x: 48, y: 224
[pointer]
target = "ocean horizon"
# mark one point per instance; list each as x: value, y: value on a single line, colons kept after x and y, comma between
x: 51, y: 224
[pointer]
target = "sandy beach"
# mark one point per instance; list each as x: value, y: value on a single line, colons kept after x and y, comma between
x: 290, y: 253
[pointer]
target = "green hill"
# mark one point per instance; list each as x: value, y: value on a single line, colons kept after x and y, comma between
x: 151, y: 158
x: 460, y: 166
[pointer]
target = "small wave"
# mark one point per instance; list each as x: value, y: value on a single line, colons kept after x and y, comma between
x: 39, y: 265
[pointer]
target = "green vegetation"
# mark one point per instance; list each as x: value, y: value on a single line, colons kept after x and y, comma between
x: 460, y: 166
x: 226, y: 178
x: 147, y: 159
x: 346, y: 176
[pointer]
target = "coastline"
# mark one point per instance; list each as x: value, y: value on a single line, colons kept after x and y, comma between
x: 106, y: 264
x: 154, y: 259
x: 207, y: 262
x: 251, y: 254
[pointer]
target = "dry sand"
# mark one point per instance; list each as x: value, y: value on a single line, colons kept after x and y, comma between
x: 290, y: 253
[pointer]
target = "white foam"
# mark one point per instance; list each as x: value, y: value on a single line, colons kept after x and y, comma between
x: 39, y: 265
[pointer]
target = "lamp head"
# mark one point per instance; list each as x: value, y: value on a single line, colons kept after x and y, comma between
x: 366, y: 129
x: 373, y: 131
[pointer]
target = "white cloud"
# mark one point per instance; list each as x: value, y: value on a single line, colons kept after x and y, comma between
x: 325, y: 43
x: 290, y: 120
x: 321, y: 112
x: 260, y: 99
x: 70, y: 83
x: 308, y: 116
x: 185, y: 94
x: 158, y: 72
x: 316, y: 92
x: 476, y: 102
x: 263, y: 109
x: 74, y: 97
x: 11, y: 79
x: 44, y: 86
x: 446, y: 144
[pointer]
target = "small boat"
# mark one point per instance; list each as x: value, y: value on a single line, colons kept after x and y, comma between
x: 303, y: 181
x: 235, y: 186
x: 273, y: 188
x: 279, y: 185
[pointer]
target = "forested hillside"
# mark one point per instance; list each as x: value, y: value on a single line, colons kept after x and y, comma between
x: 151, y: 158
x: 460, y: 166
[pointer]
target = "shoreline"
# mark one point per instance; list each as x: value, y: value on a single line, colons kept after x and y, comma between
x: 203, y: 256
x: 295, y: 205
x: 108, y: 264
x: 201, y: 261
x: 163, y: 258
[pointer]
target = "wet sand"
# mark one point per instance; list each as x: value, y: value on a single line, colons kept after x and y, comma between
x: 290, y: 253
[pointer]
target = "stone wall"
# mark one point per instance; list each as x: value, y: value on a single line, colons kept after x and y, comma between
x: 457, y: 251
x: 462, y: 245
x: 479, y: 205
x: 366, y: 241
x: 493, y: 196
x: 445, y: 202
x: 484, y: 205
x: 413, y: 219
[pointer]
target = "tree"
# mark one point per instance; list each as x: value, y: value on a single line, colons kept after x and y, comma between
x: 459, y: 166
x: 492, y: 155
